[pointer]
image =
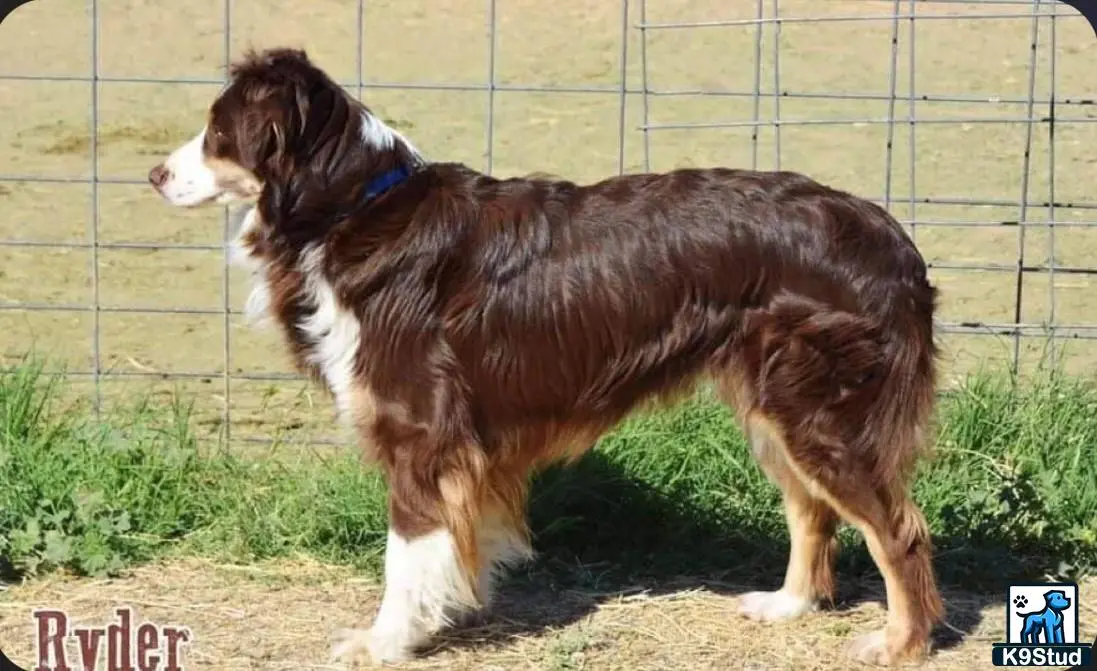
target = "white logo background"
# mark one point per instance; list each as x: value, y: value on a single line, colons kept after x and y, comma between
x: 1032, y: 599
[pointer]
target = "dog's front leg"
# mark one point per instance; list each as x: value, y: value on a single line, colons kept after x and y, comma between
x: 426, y: 588
x: 447, y: 536
x: 455, y: 517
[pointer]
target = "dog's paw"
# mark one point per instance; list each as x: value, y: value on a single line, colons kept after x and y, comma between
x: 380, y: 648
x: 347, y: 643
x: 877, y: 650
x: 870, y: 649
x: 773, y: 606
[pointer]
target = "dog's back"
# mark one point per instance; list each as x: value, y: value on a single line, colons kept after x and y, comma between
x: 563, y: 303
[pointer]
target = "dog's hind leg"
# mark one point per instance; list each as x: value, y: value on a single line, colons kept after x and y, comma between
x: 851, y: 403
x: 809, y: 577
x: 899, y: 541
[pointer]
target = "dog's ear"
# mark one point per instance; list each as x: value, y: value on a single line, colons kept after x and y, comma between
x: 283, y: 153
x: 263, y: 130
x: 280, y: 194
x: 302, y: 108
x: 276, y: 146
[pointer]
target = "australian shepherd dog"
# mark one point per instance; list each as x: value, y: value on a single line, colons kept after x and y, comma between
x: 472, y: 329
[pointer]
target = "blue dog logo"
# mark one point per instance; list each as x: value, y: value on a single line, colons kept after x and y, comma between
x: 1047, y: 622
x: 1046, y: 637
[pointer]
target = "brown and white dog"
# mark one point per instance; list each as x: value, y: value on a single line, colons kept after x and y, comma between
x: 472, y: 329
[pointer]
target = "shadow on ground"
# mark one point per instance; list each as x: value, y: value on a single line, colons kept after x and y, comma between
x: 601, y: 535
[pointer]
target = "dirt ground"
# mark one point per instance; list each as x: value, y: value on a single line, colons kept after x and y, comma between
x: 45, y: 133
x: 282, y: 616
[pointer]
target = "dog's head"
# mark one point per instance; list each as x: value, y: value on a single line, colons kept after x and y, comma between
x: 280, y: 126
x: 1057, y: 599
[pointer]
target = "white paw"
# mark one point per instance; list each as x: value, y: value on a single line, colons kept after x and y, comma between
x: 381, y: 647
x: 772, y: 606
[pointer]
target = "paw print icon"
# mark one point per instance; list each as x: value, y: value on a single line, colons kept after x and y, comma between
x: 1020, y: 601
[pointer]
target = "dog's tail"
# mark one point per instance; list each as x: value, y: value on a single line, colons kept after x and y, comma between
x: 859, y: 384
x: 905, y: 401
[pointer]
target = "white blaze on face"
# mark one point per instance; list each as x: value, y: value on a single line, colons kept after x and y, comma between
x: 190, y: 181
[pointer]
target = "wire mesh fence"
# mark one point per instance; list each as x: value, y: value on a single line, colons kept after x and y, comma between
x: 968, y: 120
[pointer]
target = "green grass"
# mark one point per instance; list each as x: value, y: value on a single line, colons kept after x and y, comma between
x: 1011, y: 492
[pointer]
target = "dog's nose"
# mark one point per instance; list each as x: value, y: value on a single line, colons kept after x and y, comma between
x: 159, y: 175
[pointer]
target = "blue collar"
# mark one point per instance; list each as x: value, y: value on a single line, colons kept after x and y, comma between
x: 385, y: 181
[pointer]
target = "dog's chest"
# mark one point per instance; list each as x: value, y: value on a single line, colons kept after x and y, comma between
x: 325, y: 334
x: 331, y: 332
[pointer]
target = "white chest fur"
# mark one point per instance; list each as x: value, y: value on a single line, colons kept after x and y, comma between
x: 257, y: 306
x: 331, y: 331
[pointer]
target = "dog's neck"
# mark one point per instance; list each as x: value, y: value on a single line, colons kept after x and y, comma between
x: 358, y: 165
x: 383, y: 182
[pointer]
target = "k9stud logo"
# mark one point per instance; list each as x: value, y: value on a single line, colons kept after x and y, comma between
x: 1042, y: 627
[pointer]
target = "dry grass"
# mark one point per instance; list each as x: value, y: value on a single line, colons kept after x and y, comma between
x: 669, y: 519
x: 282, y: 615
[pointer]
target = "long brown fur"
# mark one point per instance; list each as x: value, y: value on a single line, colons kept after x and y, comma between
x: 506, y: 323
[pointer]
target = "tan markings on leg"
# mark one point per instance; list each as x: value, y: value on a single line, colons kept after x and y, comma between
x: 503, y: 543
x: 812, y: 524
x: 463, y: 500
x: 809, y: 576
x: 738, y: 394
x: 363, y: 414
